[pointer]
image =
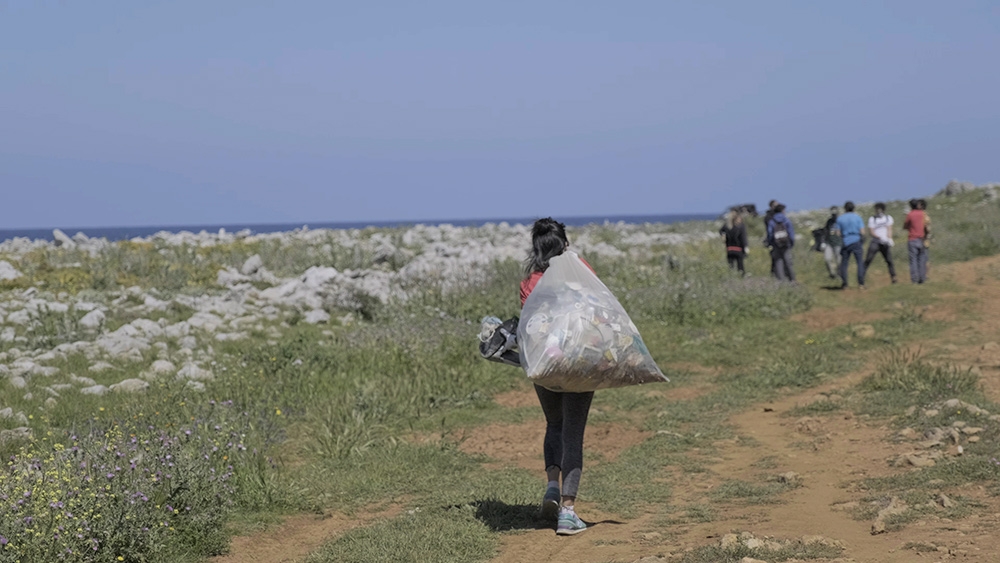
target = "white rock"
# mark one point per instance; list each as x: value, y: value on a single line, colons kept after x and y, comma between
x: 18, y: 382
x: 93, y: 319
x: 20, y: 317
x: 100, y: 366
x: 82, y: 380
x: 130, y: 386
x: 8, y: 271
x: 161, y: 367
x: 225, y: 336
x: 94, y: 390
x: 177, y: 330
x: 7, y: 413
x: 317, y: 316
x: 251, y: 266
x: 188, y: 343
x: 50, y: 402
x: 191, y: 371
x: 85, y: 306
x: 148, y: 328
x: 205, y: 321
x: 7, y: 334
x: 62, y: 239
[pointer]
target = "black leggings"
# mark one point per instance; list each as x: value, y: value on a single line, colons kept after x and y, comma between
x: 735, y: 260
x: 565, y: 419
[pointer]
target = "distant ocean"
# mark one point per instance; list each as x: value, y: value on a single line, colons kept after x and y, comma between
x: 125, y: 233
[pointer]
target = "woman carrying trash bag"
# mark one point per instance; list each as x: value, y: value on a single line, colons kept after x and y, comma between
x: 565, y: 413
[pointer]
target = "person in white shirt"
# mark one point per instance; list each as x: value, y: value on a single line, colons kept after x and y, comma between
x: 880, y: 226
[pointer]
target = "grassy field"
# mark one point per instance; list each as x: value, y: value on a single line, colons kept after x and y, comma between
x: 371, y: 414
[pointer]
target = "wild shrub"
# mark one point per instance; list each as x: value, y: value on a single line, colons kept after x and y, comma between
x: 902, y: 370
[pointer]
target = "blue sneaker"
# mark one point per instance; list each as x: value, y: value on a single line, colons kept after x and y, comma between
x: 569, y: 523
x: 550, y: 504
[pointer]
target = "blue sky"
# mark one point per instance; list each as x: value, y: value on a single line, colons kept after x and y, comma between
x: 192, y: 112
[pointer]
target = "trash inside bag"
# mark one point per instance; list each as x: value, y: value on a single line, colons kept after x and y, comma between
x: 498, y: 341
x: 574, y: 336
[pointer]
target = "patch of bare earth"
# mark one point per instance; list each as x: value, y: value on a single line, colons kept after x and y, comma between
x: 296, y: 537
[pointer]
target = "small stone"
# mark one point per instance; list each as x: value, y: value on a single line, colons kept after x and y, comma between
x: 317, y: 316
x: 749, y: 559
x: 94, y: 390
x: 958, y: 424
x: 93, y: 320
x: 907, y: 433
x: 991, y: 346
x: 943, y: 501
x: 50, y: 402
x: 971, y: 430
x: 100, y: 367
x: 7, y: 413
x: 931, y: 413
x: 729, y: 541
x: 863, y: 331
x: 790, y: 477
x: 973, y: 439
x: 130, y: 386
x: 251, y: 265
x: 18, y: 382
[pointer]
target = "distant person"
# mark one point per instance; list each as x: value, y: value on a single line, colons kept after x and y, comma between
x: 767, y: 220
x: 565, y: 413
x: 734, y: 231
x: 852, y: 229
x: 916, y: 225
x: 880, y: 227
x: 781, y: 239
x: 833, y: 243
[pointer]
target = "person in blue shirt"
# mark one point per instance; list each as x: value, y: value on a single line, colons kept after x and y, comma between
x: 852, y: 229
x: 781, y: 239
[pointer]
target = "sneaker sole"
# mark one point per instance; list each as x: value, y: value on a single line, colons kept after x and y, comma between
x: 568, y: 532
x: 549, y: 510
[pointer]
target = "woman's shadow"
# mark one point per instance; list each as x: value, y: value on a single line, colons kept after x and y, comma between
x: 499, y: 516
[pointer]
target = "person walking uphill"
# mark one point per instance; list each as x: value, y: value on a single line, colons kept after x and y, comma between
x: 880, y: 226
x: 852, y: 229
x: 734, y: 231
x: 565, y: 413
x: 917, y: 229
x: 781, y: 239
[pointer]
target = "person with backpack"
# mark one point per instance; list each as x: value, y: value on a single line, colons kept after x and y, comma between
x: 880, y: 226
x: 734, y: 231
x: 781, y: 239
x: 832, y: 244
x: 565, y: 413
x: 916, y: 225
x: 852, y: 231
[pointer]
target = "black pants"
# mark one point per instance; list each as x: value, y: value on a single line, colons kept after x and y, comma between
x: 565, y: 419
x: 735, y: 261
x: 879, y: 247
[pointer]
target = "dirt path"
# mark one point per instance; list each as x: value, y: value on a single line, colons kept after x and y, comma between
x: 827, y: 454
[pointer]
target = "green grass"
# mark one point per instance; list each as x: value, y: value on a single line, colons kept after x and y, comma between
x: 331, y: 414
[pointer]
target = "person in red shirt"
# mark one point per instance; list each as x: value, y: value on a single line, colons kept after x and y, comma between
x: 565, y: 413
x: 916, y: 226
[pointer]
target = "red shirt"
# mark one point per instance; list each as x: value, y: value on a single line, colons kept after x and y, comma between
x: 915, y: 224
x: 528, y: 284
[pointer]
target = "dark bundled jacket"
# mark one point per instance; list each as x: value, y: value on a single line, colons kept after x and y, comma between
x: 736, y: 237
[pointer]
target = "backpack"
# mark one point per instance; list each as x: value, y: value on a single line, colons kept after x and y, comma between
x: 780, y: 235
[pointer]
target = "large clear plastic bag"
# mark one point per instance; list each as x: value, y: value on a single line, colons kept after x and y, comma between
x: 574, y: 336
